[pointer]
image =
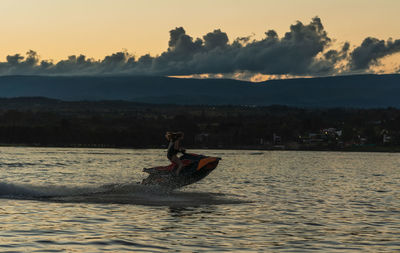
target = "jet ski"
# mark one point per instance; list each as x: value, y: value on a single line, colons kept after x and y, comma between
x: 195, y: 168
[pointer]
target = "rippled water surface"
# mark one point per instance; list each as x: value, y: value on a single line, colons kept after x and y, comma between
x: 88, y: 200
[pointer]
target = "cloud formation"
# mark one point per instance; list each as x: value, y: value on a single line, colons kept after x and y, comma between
x: 371, y: 51
x: 305, y: 50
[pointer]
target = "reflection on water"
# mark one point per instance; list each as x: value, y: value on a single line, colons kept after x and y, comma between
x: 88, y: 200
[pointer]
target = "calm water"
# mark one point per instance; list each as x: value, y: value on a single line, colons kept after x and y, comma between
x: 88, y: 200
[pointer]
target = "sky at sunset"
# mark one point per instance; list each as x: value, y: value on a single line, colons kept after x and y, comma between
x: 55, y: 30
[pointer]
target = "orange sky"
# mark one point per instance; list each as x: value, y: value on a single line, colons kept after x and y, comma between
x: 59, y: 28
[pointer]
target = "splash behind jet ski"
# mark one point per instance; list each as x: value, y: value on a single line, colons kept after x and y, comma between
x: 195, y: 168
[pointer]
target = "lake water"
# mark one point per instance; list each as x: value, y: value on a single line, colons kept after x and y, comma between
x: 88, y: 200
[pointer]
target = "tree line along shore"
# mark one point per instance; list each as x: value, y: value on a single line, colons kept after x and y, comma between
x: 122, y: 124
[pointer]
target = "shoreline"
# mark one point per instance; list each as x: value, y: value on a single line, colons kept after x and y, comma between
x: 375, y: 149
x: 131, y: 125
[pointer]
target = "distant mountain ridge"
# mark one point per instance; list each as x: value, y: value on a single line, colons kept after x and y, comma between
x: 364, y: 91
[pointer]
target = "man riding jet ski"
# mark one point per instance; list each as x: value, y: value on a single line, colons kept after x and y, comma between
x: 195, y: 168
x: 187, y: 169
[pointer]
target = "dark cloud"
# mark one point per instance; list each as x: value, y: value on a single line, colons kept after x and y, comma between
x: 74, y: 64
x: 14, y: 60
x: 18, y: 64
x: 371, y: 51
x: 336, y: 56
x: 181, y: 45
x: 295, y: 53
x: 215, y: 39
x: 303, y: 50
